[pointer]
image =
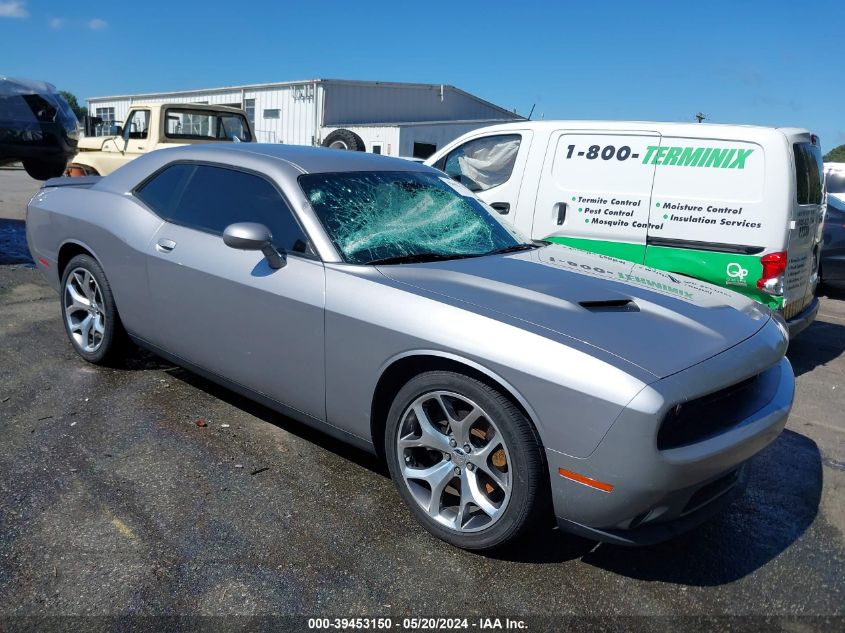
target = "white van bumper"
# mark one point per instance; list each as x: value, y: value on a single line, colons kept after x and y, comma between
x: 803, y: 319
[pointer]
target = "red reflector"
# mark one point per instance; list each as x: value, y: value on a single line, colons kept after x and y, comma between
x: 43, y: 262
x: 774, y: 265
x: 587, y: 481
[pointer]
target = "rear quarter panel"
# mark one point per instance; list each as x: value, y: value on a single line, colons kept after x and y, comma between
x: 114, y: 228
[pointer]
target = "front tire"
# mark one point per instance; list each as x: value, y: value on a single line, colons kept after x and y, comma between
x: 466, y: 461
x: 88, y: 312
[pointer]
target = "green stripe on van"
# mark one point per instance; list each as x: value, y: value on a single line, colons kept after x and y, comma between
x: 620, y: 250
x: 728, y: 270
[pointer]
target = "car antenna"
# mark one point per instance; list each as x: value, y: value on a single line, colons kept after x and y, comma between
x: 533, y: 105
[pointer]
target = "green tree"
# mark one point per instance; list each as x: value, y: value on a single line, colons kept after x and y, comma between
x: 836, y: 155
x: 78, y: 110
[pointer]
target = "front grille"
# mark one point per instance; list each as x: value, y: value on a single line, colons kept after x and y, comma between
x: 705, y: 417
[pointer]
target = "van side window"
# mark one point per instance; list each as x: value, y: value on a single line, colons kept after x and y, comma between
x: 483, y: 163
x: 809, y: 173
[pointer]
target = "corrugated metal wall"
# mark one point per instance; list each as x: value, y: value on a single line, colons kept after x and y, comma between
x: 370, y: 103
x: 295, y: 123
x: 437, y: 135
x: 303, y: 109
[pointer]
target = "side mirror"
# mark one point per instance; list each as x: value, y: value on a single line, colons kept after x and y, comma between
x: 251, y: 236
x: 118, y: 130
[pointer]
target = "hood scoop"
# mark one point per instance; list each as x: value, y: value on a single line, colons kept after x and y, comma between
x: 610, y: 305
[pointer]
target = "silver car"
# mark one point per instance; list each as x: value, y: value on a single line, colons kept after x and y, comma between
x: 505, y: 382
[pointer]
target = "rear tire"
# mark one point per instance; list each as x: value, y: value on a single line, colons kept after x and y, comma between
x: 472, y: 472
x: 89, y: 313
x: 44, y: 169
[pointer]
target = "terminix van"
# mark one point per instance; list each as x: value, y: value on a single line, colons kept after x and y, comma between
x: 737, y: 206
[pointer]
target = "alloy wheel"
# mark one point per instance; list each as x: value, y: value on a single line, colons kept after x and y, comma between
x: 84, y: 310
x: 454, y: 461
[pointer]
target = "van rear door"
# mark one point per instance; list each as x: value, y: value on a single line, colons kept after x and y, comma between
x: 807, y: 213
x: 711, y: 213
x: 595, y: 191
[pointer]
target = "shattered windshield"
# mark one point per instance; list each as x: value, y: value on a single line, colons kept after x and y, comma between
x: 384, y: 217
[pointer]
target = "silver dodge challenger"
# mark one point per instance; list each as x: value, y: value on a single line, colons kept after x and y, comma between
x: 505, y: 382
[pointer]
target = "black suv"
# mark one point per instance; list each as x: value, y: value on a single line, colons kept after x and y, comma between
x: 37, y: 127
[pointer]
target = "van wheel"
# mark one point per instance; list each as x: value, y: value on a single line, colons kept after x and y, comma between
x: 344, y: 139
x: 466, y: 461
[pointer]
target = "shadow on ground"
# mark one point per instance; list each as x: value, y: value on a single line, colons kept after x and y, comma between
x: 13, y: 248
x: 820, y: 344
x: 141, y: 359
x: 779, y: 505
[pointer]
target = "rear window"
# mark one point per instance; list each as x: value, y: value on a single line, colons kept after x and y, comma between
x: 205, y: 125
x: 809, y: 173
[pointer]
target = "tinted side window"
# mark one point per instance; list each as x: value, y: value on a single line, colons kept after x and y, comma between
x: 809, y: 173
x: 211, y: 198
x: 483, y: 163
x: 162, y: 193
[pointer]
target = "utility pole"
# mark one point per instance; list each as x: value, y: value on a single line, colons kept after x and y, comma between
x: 700, y: 117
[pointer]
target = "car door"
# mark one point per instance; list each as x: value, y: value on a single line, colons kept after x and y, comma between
x: 492, y: 167
x: 595, y: 191
x: 225, y: 310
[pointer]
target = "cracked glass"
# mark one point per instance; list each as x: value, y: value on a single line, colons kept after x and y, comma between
x: 375, y: 216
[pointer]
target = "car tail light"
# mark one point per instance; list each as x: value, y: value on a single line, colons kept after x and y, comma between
x: 774, y: 266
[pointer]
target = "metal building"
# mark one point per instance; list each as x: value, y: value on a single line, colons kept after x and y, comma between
x: 399, y: 119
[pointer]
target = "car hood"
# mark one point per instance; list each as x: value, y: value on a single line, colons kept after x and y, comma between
x: 658, y: 321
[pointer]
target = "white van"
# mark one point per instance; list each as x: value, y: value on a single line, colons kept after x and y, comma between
x: 737, y: 206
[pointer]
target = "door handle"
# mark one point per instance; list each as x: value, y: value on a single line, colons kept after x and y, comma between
x: 560, y: 209
x: 165, y: 246
x: 501, y: 207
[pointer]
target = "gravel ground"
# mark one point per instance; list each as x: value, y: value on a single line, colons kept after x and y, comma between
x: 114, y: 502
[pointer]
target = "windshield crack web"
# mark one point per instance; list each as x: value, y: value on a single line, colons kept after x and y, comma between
x: 374, y: 216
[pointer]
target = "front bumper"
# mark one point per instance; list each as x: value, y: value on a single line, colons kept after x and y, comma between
x: 659, y: 493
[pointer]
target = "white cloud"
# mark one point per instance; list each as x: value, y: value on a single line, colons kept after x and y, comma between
x: 57, y: 23
x: 13, y: 9
x: 97, y: 24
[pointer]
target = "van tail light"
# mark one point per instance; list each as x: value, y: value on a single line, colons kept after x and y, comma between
x: 774, y: 266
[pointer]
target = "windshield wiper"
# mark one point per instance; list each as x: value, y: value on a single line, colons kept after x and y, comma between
x: 514, y: 249
x: 418, y: 258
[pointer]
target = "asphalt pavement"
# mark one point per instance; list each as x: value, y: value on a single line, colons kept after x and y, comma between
x: 146, y: 490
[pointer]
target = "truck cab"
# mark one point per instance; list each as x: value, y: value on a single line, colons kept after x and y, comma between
x: 154, y: 126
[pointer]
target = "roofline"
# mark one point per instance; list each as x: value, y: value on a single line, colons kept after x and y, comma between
x: 619, y: 123
x: 280, y: 84
x: 422, y: 123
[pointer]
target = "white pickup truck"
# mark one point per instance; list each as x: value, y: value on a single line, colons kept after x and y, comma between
x: 157, y: 125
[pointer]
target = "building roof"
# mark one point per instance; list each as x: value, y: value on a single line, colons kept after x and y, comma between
x: 261, y: 86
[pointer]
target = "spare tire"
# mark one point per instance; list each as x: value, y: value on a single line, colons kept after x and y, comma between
x: 345, y: 139
x: 44, y: 169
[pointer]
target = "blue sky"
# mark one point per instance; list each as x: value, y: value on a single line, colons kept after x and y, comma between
x: 769, y: 63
